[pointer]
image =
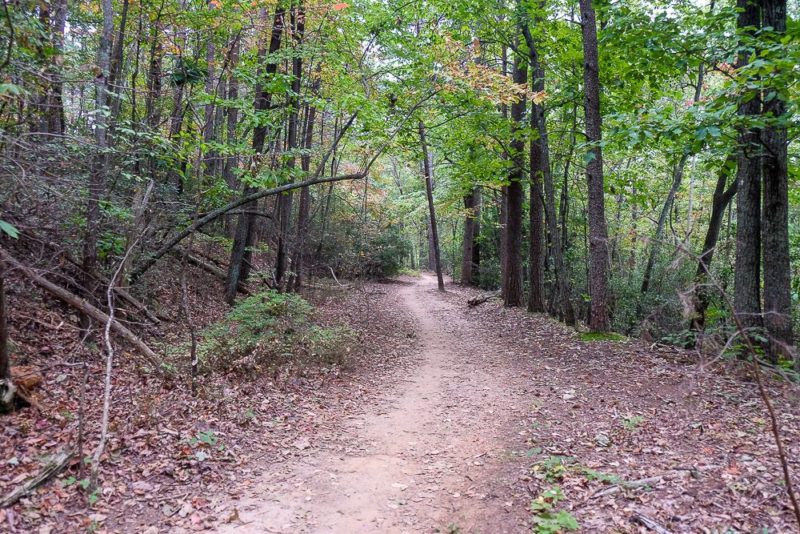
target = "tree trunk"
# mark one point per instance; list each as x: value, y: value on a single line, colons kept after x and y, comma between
x: 97, y: 173
x: 598, y: 232
x: 476, y: 235
x: 747, y: 274
x: 6, y: 386
x: 232, y: 119
x: 263, y: 102
x: 512, y: 276
x: 471, y: 207
x: 285, y: 200
x: 677, y: 178
x: 426, y: 169
x: 775, y: 220
x: 567, y: 313
x: 540, y: 174
x: 722, y: 197
x: 304, y: 207
x: 56, y: 122
x: 115, y: 69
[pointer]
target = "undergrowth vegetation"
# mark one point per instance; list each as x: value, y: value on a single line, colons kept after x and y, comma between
x: 267, y: 330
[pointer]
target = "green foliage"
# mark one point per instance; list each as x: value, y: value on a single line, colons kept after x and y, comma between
x: 206, y: 437
x: 268, y: 329
x: 9, y: 229
x: 632, y: 423
x: 546, y: 518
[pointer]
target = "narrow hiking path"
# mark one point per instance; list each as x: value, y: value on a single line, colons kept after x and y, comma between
x: 424, y: 459
x: 500, y: 406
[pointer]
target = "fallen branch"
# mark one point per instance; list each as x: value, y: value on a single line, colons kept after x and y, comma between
x: 81, y: 305
x: 477, y: 301
x: 616, y: 488
x: 215, y: 214
x: 56, y: 464
x: 120, y: 292
x: 651, y: 524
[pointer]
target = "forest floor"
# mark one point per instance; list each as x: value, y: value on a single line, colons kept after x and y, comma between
x: 447, y: 418
x: 503, y: 406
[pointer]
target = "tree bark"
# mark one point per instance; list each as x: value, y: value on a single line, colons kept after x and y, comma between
x: 6, y: 385
x: 775, y: 219
x: 471, y: 207
x: 426, y: 169
x: 598, y: 231
x: 512, y: 276
x: 304, y: 206
x: 56, y: 121
x: 720, y: 201
x: 540, y: 174
x: 747, y: 273
x: 285, y: 201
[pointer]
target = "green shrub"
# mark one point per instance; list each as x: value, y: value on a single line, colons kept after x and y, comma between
x: 268, y: 329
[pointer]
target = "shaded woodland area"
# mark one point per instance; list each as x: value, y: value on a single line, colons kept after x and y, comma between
x: 197, y: 199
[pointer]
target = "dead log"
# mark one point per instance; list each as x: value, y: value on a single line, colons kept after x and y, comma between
x: 56, y: 464
x: 477, y: 301
x: 121, y: 293
x: 209, y: 268
x: 81, y: 305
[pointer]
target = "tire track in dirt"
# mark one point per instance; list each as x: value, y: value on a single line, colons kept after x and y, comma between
x: 435, y: 454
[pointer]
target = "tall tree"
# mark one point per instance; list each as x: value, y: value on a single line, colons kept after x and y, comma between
x: 540, y: 168
x: 99, y: 165
x: 723, y: 194
x: 304, y: 206
x: 472, y: 211
x: 512, y: 275
x: 428, y: 172
x: 245, y: 230
x: 297, y: 18
x: 598, y: 231
x: 747, y: 274
x: 775, y: 214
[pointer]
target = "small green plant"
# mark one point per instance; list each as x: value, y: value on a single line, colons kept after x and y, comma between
x: 553, y: 468
x: 206, y: 437
x: 632, y: 423
x: 608, y: 478
x: 83, y: 483
x: 93, y: 497
x: 546, y: 518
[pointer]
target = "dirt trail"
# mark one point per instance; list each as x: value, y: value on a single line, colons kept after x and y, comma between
x: 432, y: 454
